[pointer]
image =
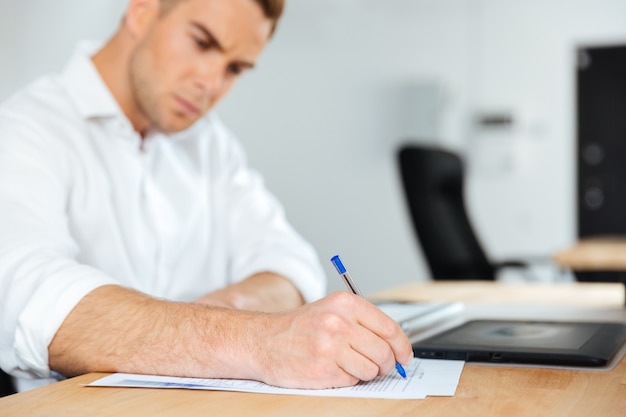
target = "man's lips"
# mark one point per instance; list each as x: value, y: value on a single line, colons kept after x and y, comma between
x: 187, y: 106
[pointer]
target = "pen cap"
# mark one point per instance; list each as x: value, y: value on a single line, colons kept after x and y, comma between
x: 338, y: 265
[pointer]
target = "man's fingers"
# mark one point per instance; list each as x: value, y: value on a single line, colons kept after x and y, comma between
x: 383, y: 326
x: 375, y: 349
x: 373, y: 335
x: 358, y: 365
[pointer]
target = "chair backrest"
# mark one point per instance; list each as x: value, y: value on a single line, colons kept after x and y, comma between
x: 6, y: 385
x: 433, y: 181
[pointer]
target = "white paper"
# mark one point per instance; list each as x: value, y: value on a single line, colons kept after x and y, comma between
x: 424, y: 377
x: 419, y: 315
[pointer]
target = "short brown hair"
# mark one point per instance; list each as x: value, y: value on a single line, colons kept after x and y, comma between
x: 272, y: 9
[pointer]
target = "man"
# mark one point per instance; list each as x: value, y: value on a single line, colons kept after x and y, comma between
x: 134, y: 238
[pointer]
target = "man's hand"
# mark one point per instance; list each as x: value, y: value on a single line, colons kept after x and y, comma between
x: 334, y: 342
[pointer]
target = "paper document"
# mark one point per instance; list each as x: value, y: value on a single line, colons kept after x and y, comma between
x: 419, y: 315
x: 424, y: 377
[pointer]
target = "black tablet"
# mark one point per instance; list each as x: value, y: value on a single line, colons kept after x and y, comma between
x: 526, y: 342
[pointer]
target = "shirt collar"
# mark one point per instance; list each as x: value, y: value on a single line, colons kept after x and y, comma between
x: 92, y: 97
x: 86, y: 87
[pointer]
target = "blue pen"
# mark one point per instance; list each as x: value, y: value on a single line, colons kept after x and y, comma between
x: 345, y: 275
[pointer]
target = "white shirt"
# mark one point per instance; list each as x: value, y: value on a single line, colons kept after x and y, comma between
x: 82, y: 205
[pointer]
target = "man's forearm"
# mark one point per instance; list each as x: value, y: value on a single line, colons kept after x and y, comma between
x: 332, y: 342
x: 266, y: 291
x: 114, y: 329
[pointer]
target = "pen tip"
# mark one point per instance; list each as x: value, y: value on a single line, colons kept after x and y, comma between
x: 401, y: 370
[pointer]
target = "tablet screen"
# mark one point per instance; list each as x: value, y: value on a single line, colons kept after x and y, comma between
x: 518, y: 341
x: 529, y: 335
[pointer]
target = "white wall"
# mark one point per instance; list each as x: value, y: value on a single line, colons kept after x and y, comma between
x: 340, y: 75
x: 322, y: 115
x: 38, y: 36
x: 332, y: 98
x: 522, y: 191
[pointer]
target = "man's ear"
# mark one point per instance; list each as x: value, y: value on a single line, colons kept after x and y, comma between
x: 140, y: 14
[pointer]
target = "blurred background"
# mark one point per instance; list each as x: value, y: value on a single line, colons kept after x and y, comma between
x: 345, y: 82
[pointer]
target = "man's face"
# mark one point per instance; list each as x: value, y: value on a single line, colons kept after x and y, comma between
x: 189, y: 58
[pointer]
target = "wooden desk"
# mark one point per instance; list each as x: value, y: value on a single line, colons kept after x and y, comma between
x: 483, y: 390
x: 596, y: 254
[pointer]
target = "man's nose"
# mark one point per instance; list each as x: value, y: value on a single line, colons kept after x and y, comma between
x: 210, y: 78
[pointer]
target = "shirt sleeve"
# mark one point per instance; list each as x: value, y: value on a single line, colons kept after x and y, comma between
x: 260, y: 237
x: 40, y: 281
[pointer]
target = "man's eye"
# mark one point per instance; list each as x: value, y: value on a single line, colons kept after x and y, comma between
x: 202, y: 43
x: 234, y: 69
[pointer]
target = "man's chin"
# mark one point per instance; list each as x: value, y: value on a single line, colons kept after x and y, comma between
x: 176, y: 126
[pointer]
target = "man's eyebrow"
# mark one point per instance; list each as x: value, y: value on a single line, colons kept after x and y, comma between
x: 208, y: 34
x: 216, y: 42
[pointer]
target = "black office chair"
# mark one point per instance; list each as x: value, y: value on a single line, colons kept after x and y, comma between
x: 6, y: 385
x: 433, y: 186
